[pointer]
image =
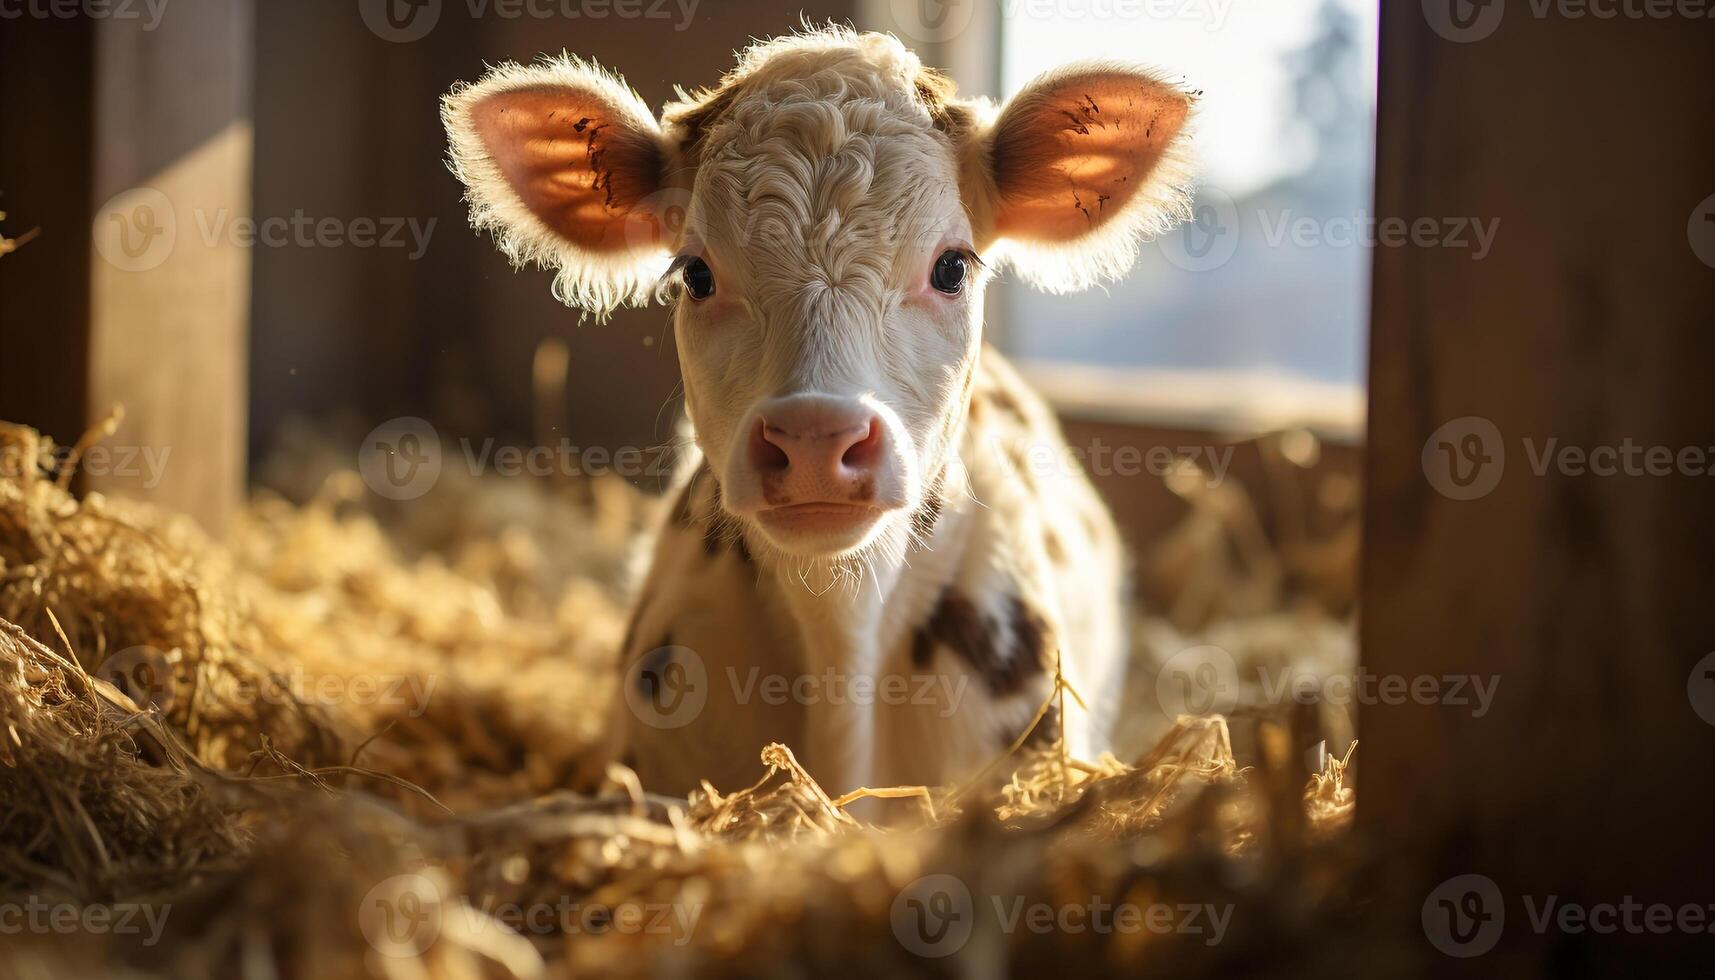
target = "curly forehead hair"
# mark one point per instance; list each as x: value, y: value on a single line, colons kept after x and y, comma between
x: 834, y: 65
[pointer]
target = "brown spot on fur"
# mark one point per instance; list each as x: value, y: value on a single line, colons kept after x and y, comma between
x: 1056, y: 547
x: 1004, y: 667
x: 1044, y: 735
x: 1003, y: 400
x: 1029, y: 636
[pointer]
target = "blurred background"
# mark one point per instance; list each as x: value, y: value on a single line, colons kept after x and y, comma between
x: 276, y: 242
x: 233, y: 217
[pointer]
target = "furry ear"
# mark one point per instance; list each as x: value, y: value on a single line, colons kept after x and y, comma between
x: 1080, y: 165
x: 564, y: 164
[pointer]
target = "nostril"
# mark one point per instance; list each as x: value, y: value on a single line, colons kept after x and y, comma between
x: 865, y: 453
x: 765, y: 454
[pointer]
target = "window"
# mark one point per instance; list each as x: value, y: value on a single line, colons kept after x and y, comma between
x: 1260, y: 303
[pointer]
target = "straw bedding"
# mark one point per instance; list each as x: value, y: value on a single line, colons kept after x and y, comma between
x: 343, y: 741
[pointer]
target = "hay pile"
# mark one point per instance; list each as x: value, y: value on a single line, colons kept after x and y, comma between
x: 185, y: 737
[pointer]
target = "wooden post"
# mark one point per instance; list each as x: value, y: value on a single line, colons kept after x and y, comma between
x: 152, y: 311
x: 1585, y: 330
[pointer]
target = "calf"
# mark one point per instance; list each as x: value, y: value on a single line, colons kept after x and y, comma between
x: 880, y: 551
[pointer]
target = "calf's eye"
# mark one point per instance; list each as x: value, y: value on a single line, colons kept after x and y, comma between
x: 699, y: 279
x: 949, y: 273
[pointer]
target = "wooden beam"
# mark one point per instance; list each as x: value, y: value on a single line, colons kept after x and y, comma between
x: 170, y: 281
x: 1584, y: 597
x: 45, y: 171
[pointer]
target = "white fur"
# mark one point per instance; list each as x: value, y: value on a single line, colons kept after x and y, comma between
x: 823, y: 180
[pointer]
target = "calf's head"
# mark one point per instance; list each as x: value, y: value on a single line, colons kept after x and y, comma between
x: 823, y: 223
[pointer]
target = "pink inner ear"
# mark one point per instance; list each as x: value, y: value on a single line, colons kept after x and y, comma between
x: 574, y: 162
x: 1077, y: 152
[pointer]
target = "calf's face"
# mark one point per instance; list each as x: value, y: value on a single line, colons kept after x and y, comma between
x: 824, y: 223
x: 829, y: 313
